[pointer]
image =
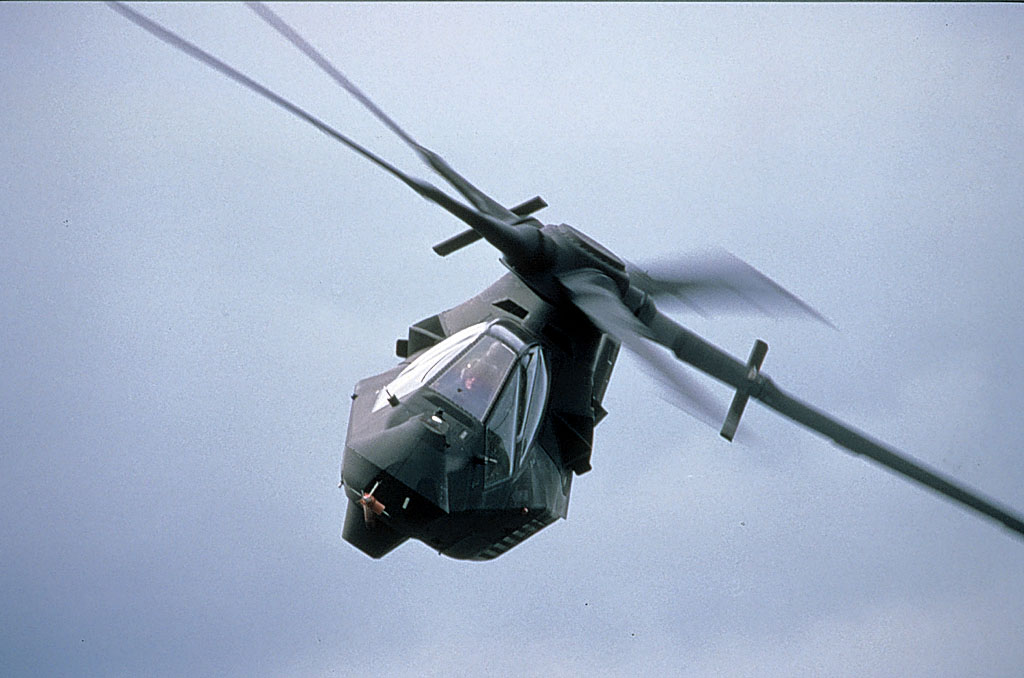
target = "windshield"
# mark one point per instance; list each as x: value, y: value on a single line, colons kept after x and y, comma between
x: 423, y: 368
x: 472, y: 381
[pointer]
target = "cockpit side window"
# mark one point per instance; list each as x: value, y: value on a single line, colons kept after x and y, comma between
x: 534, y: 393
x: 472, y: 381
x: 501, y: 432
x: 515, y: 417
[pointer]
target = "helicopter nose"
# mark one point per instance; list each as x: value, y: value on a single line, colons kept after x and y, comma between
x: 411, y: 456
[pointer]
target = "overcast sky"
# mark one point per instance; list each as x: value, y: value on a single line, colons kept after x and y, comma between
x: 192, y: 282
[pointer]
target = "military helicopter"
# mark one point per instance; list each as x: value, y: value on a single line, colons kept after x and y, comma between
x: 471, y: 442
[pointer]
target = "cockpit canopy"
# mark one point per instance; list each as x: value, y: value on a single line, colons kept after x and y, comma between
x: 424, y: 368
x: 492, y: 374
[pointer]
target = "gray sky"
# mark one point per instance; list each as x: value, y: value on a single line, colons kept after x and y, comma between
x: 193, y: 281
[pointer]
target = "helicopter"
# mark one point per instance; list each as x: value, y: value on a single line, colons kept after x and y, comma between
x: 471, y: 442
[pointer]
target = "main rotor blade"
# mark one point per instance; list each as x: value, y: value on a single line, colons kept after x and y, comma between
x: 518, y: 243
x: 475, y: 196
x: 859, y: 443
x: 205, y: 57
x: 717, y: 281
x: 595, y: 295
x: 708, y: 358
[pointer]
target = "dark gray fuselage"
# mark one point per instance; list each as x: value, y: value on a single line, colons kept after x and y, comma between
x: 437, y: 469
